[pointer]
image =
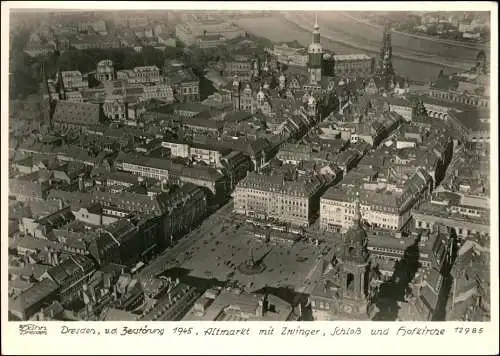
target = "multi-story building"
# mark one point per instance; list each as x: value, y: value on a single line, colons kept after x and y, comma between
x: 210, y: 41
x: 242, y: 68
x: 437, y: 108
x: 292, y: 153
x: 115, y: 108
x: 190, y: 31
x: 235, y: 304
x: 95, y: 41
x: 75, y: 96
x: 290, y: 55
x: 401, y: 106
x: 187, y: 207
x: 382, y: 206
x: 159, y: 91
x: 31, y: 300
x: 174, y: 303
x: 204, y: 153
x: 135, y: 241
x: 105, y: 70
x: 74, y: 80
x: 144, y: 166
x: 184, y: 82
x: 202, y: 125
x: 75, y: 115
x: 386, y: 250
x: 272, y: 197
x: 70, y: 276
x: 177, y: 149
x: 470, y: 291
x: 467, y: 215
x: 38, y: 49
x: 26, y: 190
x: 461, y: 98
x: 352, y: 65
x: 140, y: 75
x: 235, y: 166
x: 472, y: 125
x: 258, y: 149
x: 208, y: 178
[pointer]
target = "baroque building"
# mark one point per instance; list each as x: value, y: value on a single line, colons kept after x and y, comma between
x: 344, y: 286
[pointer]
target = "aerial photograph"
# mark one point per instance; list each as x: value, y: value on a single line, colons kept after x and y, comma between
x: 182, y: 165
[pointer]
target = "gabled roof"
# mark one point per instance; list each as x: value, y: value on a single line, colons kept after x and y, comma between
x: 86, y: 114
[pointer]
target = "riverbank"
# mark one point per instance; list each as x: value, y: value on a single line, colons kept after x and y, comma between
x: 279, y: 30
x: 478, y: 46
x: 374, y: 50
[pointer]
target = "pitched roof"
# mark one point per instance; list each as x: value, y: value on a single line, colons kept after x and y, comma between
x: 77, y: 113
x: 475, y: 120
x: 66, y: 270
x: 303, y: 186
x: 33, y: 295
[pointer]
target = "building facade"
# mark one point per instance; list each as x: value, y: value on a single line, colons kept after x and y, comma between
x: 74, y: 80
x: 352, y: 64
x: 271, y: 197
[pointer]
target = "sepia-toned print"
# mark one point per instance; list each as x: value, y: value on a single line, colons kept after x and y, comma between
x: 174, y: 165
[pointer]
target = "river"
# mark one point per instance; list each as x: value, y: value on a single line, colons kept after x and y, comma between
x: 417, y: 59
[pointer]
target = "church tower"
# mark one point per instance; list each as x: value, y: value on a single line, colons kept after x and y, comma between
x: 235, y: 94
x: 386, y: 71
x: 355, y: 262
x: 315, y: 52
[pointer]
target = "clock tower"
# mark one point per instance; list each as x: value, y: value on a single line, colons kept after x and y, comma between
x: 315, y: 53
x: 355, y: 267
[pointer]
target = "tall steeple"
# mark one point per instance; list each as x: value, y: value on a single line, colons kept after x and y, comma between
x: 357, y: 211
x: 316, y: 33
x: 385, y: 65
x: 315, y: 52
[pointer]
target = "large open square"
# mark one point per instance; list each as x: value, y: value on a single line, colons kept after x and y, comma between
x: 219, y: 253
